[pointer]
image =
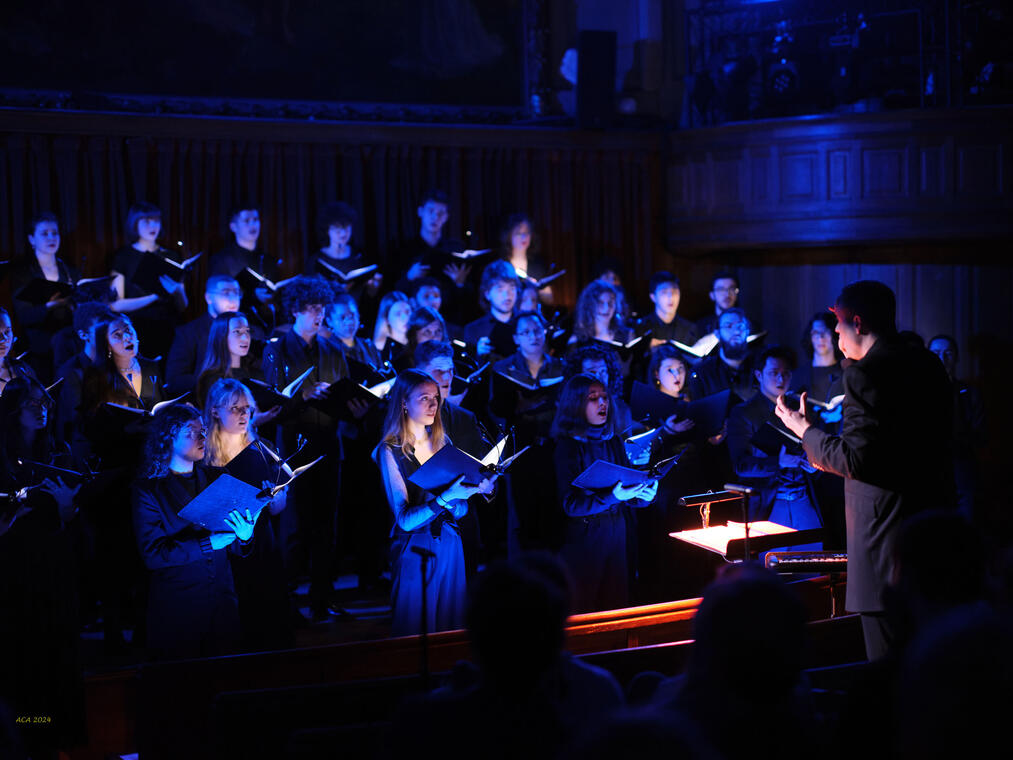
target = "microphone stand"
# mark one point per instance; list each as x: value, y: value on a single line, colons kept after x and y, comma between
x: 745, y: 492
x: 424, y: 555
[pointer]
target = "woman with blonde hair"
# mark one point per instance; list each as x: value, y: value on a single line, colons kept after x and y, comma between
x: 425, y: 524
x: 259, y: 577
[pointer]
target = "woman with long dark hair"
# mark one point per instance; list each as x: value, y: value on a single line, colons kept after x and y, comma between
x: 192, y: 607
x: 118, y: 376
x: 390, y: 334
x: 594, y: 542
x: 229, y: 415
x: 228, y: 356
x: 425, y: 524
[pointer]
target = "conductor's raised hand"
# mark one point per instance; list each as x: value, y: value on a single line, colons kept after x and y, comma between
x: 241, y: 525
x: 794, y: 421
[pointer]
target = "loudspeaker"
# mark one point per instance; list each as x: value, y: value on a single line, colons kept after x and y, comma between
x: 596, y: 79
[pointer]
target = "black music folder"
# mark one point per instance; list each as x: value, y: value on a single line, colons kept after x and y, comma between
x: 603, y: 476
x: 449, y: 463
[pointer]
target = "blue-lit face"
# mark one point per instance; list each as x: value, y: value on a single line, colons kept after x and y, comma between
x: 246, y: 226
x: 148, y: 229
x: 344, y: 320
x: 423, y: 403
x: 309, y: 320
x: 239, y: 336
x: 441, y: 369
x: 339, y: 235
x: 122, y: 339
x: 6, y: 336
x: 666, y: 297
x: 429, y: 295
x: 671, y: 376
x: 596, y: 405
x: 433, y: 215
x: 775, y: 377
x: 502, y: 296
x: 45, y: 238
x: 34, y: 410
x: 520, y: 237
x: 733, y: 330
x: 189, y: 442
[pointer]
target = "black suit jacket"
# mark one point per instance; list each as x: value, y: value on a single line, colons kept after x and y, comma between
x: 894, y: 452
x: 186, y: 355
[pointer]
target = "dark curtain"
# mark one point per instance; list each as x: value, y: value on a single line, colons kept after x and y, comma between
x: 586, y: 201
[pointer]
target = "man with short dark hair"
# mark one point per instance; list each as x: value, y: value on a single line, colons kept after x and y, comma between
x: 664, y: 323
x: 724, y: 294
x: 895, y: 445
x: 428, y: 254
x: 242, y: 252
x: 87, y: 316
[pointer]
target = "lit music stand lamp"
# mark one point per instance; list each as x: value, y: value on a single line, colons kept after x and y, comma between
x: 733, y: 541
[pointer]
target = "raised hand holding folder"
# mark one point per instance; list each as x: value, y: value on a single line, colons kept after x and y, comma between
x: 228, y: 494
x: 450, y: 463
x: 603, y: 475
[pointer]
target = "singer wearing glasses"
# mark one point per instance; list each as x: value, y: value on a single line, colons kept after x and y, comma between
x: 259, y: 577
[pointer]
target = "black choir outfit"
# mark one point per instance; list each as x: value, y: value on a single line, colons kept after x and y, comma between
x: 713, y: 375
x: 446, y: 583
x: 462, y: 427
x: 679, y: 329
x: 821, y: 383
x: 501, y: 334
x: 316, y: 492
x: 533, y: 517
x: 37, y: 323
x: 459, y: 302
x: 259, y: 574
x: 156, y: 322
x: 233, y: 260
x: 192, y: 605
x: 187, y: 354
x: 594, y: 539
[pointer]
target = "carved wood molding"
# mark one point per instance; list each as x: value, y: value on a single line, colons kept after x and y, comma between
x: 912, y: 176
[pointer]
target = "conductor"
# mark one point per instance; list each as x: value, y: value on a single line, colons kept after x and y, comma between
x: 893, y: 449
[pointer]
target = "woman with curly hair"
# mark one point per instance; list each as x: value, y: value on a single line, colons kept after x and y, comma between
x: 192, y: 607
x: 425, y: 524
x: 598, y: 316
x: 594, y: 543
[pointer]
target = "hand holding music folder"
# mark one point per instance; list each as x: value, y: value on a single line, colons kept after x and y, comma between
x: 603, y: 476
x: 228, y: 494
x: 449, y: 464
x: 336, y: 402
x: 154, y: 265
x: 40, y: 291
x: 268, y: 397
